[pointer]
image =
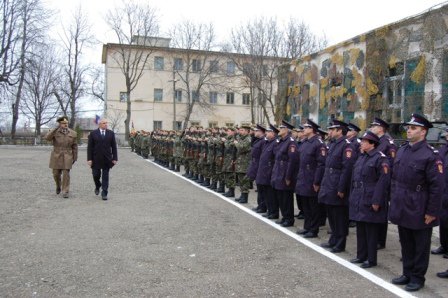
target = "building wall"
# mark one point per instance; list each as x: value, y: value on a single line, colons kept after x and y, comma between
x: 146, y: 110
x: 389, y: 72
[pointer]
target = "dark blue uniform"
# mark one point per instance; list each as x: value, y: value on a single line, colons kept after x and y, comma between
x: 443, y: 229
x: 370, y: 185
x: 337, y: 176
x: 255, y: 153
x: 388, y: 147
x: 416, y: 190
x: 312, y: 154
x: 285, y: 169
x: 263, y: 177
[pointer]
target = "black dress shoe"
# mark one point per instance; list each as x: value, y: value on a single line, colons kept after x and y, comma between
x: 287, y: 224
x: 266, y: 215
x: 326, y: 245
x: 401, y: 280
x: 443, y: 274
x: 336, y: 250
x: 439, y: 251
x: 413, y: 286
x: 367, y: 264
x: 352, y: 224
x: 97, y: 191
x: 356, y: 261
x: 445, y: 256
x: 104, y: 198
x: 273, y: 216
x: 380, y: 246
x: 255, y: 209
x: 302, y: 232
x: 58, y: 190
x: 281, y: 221
x: 310, y: 235
x: 261, y: 211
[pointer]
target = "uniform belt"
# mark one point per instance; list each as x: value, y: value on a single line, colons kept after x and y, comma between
x: 362, y: 184
x: 412, y: 187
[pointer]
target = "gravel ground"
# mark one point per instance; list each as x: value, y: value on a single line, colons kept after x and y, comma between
x: 159, y: 236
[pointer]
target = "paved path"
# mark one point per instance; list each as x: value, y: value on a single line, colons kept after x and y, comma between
x: 162, y: 236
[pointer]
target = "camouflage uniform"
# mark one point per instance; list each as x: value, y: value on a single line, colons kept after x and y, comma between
x: 243, y: 148
x: 229, y: 165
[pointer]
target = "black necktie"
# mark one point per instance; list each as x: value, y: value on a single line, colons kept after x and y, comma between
x: 103, y: 134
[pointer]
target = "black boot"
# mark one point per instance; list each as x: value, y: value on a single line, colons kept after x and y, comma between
x: 213, y: 186
x: 243, y: 198
x: 200, y: 179
x: 206, y: 182
x: 230, y: 193
x: 172, y: 167
x: 177, y: 169
x: 186, y: 174
x: 195, y: 177
x: 221, y: 188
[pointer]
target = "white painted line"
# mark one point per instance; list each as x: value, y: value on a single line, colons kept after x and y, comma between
x: 364, y: 273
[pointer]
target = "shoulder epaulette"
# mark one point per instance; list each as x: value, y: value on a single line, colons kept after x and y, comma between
x: 391, y: 141
x: 358, y: 140
x: 433, y: 149
x: 278, y: 141
x: 320, y: 141
x: 291, y: 139
x: 348, y: 141
x: 382, y: 154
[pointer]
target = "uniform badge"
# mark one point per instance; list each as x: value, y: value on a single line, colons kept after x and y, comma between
x: 439, y: 166
x: 323, y: 151
x: 348, y: 153
x: 392, y: 153
x: 385, y: 168
x: 293, y: 149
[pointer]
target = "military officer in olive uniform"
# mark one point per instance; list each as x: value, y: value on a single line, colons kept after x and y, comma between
x: 243, y: 149
x: 64, y: 154
x: 415, y: 201
x: 368, y: 198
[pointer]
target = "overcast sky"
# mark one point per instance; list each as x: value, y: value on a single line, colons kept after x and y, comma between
x: 338, y: 20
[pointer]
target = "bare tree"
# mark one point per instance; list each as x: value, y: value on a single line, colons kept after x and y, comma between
x: 9, y: 34
x: 133, y: 25
x: 97, y: 83
x: 115, y: 117
x: 32, y: 23
x: 199, y: 63
x: 266, y: 45
x: 38, y: 102
x: 73, y: 83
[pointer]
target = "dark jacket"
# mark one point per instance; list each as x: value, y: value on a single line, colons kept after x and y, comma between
x: 101, y: 151
x: 416, y: 187
x: 312, y: 154
x: 370, y: 186
x: 286, y: 164
x: 266, y: 162
x: 257, y: 146
x: 443, y: 153
x: 338, y: 172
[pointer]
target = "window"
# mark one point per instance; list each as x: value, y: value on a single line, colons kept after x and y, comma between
x: 212, y: 124
x: 178, y: 95
x: 230, y: 99
x: 158, y: 94
x: 230, y: 124
x: 230, y: 68
x: 158, y: 63
x: 195, y: 123
x: 194, y: 95
x: 178, y: 64
x: 213, y: 97
x: 196, y: 65
x: 178, y: 125
x: 265, y: 69
x: 123, y: 97
x: 246, y: 98
x: 247, y: 68
x: 214, y: 67
x: 157, y: 125
x: 396, y: 70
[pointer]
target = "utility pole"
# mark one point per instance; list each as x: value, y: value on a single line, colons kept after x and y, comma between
x: 174, y: 99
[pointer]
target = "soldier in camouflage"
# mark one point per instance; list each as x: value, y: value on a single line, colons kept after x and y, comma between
x: 243, y: 149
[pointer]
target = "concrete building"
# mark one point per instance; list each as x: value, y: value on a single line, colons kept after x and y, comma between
x: 214, y: 86
x: 389, y: 72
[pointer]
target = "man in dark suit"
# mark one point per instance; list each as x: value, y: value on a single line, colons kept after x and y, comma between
x: 101, y: 156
